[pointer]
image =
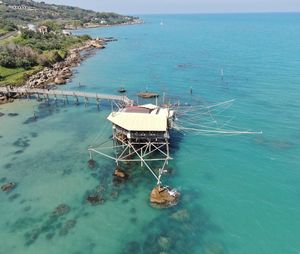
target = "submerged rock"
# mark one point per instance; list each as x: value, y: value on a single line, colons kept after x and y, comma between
x: 114, y: 194
x: 61, y: 210
x: 34, y: 134
x: 32, y: 236
x: 181, y: 215
x: 27, y: 208
x: 133, y: 220
x: 50, y: 235
x: 7, y: 165
x: 67, y: 226
x: 70, y: 224
x: 2, y: 180
x: 8, y: 187
x: 100, y: 189
x: 163, y: 196
x: 91, y: 163
x: 14, y: 196
x: 95, y: 199
x: 132, y: 210
x: 132, y: 247
x: 22, y: 142
x: 2, y: 114
x: 164, y: 242
x: 13, y: 114
x: 213, y: 248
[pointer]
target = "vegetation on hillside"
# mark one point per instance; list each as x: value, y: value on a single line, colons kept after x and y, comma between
x: 7, y: 26
x: 26, y: 11
x: 31, y: 51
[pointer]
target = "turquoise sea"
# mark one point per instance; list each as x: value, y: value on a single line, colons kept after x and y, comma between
x: 240, y: 194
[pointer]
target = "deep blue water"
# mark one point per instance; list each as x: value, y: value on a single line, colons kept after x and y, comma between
x: 240, y: 194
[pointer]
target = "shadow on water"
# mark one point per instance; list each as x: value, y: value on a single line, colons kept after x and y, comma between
x: 278, y: 144
x: 44, y: 109
x: 41, y: 111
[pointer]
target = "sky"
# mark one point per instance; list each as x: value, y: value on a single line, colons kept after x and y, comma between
x: 183, y: 6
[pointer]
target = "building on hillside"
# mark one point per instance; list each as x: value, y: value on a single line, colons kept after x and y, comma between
x: 21, y: 7
x: 43, y: 29
x: 66, y: 32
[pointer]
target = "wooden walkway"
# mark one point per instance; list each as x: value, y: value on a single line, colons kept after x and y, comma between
x: 66, y: 93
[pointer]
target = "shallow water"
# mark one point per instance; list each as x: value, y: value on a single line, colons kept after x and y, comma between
x: 240, y: 194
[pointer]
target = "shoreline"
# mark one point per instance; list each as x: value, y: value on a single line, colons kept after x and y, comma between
x: 60, y: 72
x: 136, y: 22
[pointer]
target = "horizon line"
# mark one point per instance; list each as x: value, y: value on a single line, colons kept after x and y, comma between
x: 233, y: 12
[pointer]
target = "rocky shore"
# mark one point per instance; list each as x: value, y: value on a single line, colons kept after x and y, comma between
x: 60, y: 72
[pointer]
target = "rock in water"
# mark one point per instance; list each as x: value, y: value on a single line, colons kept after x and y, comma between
x: 8, y: 187
x: 91, y: 163
x: 119, y: 173
x: 59, y: 80
x: 164, y: 196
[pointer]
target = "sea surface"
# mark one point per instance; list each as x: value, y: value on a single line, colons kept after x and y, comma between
x: 239, y: 194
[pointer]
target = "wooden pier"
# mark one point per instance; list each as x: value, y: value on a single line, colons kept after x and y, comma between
x: 66, y: 93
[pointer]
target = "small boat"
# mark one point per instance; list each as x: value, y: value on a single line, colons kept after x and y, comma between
x: 122, y: 90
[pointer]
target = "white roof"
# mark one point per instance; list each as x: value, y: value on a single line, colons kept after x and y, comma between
x: 149, y: 106
x: 139, y: 121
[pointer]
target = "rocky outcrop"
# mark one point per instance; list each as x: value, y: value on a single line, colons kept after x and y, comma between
x: 164, y: 196
x: 60, y: 80
x: 120, y: 174
x: 60, y: 72
x: 7, y: 98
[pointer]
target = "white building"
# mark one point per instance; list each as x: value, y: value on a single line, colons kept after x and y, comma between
x: 66, y: 32
x: 31, y: 27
